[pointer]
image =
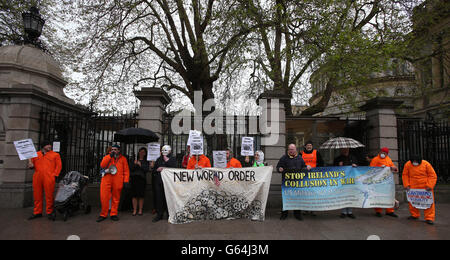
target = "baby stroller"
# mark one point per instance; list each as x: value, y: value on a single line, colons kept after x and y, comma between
x: 71, y: 195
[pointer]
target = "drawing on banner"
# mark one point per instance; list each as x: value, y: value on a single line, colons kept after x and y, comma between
x: 220, y: 159
x: 247, y: 146
x: 25, y: 149
x: 216, y: 205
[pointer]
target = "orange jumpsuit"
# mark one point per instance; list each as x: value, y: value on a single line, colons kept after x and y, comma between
x: 234, y: 163
x: 379, y: 162
x: 111, y: 185
x: 420, y: 177
x: 202, y: 162
x: 47, y: 167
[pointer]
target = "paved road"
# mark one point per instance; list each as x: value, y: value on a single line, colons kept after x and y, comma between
x: 325, y: 226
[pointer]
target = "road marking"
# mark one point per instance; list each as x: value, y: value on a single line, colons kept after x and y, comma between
x: 373, y: 237
x: 73, y: 237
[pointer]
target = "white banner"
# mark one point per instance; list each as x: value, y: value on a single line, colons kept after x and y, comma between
x: 420, y: 198
x: 213, y: 194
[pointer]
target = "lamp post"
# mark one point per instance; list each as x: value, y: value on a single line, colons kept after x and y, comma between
x: 33, y: 23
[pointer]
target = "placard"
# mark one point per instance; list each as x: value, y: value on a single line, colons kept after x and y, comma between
x: 247, y: 146
x: 25, y: 149
x: 196, y: 145
x: 191, y: 134
x: 220, y: 159
x: 420, y: 198
x: 56, y: 147
x: 154, y: 151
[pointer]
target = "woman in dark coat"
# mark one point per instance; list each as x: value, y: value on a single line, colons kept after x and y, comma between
x: 166, y: 160
x: 138, y: 177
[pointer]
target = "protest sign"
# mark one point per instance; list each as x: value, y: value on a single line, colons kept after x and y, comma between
x: 196, y: 145
x: 25, y: 149
x: 420, y: 198
x: 220, y: 159
x: 56, y: 147
x: 154, y: 151
x: 194, y: 195
x: 331, y: 188
x: 191, y: 134
x: 247, y: 146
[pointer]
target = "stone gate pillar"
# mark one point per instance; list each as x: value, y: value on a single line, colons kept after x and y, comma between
x: 272, y: 125
x: 382, y: 120
x: 151, y: 109
x: 30, y: 79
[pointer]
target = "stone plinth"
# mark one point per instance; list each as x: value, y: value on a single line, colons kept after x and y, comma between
x: 382, y: 121
x: 29, y: 80
x: 151, y: 109
x: 273, y: 142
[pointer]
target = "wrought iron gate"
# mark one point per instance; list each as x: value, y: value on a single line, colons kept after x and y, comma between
x: 84, y: 137
x: 429, y: 139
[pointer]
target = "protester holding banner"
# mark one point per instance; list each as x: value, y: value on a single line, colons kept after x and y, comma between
x: 113, y: 182
x: 292, y: 160
x: 383, y: 160
x: 346, y: 159
x: 231, y: 161
x: 138, y: 180
x: 47, y: 167
x: 419, y: 174
x: 198, y: 162
x: 247, y: 162
x: 259, y: 159
x: 311, y: 156
x: 166, y: 160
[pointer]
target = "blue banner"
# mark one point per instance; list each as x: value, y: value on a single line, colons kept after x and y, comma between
x: 331, y: 188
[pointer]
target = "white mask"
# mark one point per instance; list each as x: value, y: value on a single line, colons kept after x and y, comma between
x: 382, y: 155
x: 261, y: 157
x: 166, y: 150
x: 415, y: 163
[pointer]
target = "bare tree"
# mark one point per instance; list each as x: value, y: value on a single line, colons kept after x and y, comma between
x: 345, y: 39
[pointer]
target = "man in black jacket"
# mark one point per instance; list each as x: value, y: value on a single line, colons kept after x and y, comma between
x: 292, y: 160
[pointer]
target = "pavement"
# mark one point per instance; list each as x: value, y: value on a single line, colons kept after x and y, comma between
x: 325, y: 226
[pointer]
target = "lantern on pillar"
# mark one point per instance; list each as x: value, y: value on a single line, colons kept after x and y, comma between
x: 33, y: 24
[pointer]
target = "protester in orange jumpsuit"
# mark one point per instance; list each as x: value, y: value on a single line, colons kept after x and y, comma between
x: 198, y: 162
x: 419, y: 174
x: 47, y: 167
x: 383, y: 160
x: 231, y: 161
x: 111, y: 185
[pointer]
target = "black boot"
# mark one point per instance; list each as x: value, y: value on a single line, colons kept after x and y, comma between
x: 157, y: 218
x: 284, y: 215
x: 35, y: 216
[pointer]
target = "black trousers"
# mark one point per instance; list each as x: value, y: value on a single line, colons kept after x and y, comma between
x: 159, y: 195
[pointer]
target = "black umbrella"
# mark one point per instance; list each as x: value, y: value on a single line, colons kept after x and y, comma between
x: 135, y: 135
